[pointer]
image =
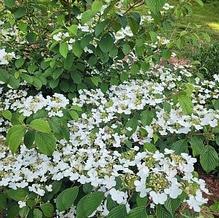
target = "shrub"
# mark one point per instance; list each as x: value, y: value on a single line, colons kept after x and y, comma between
x: 92, y: 124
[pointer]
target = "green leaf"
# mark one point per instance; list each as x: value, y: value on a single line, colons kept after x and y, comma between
x: 19, y: 13
x: 138, y: 212
x: 86, y: 16
x: 74, y: 115
x: 96, y: 6
x: 37, y: 213
x: 150, y: 147
x: 46, y: 142
x: 19, y: 62
x: 146, y: 117
x: 162, y: 212
x: 197, y: 145
x: 100, y: 28
x: 47, y: 209
x: 23, y: 212
x: 88, y: 204
x: 7, y: 114
x: 29, y: 138
x: 66, y: 198
x: 141, y: 201
x: 106, y: 43
x: 63, y: 49
x: 15, y: 137
x: 40, y: 125
x: 77, y: 50
x: 73, y: 29
x: 209, y: 159
x: 4, y: 75
x: 185, y: 102
x: 9, y: 3
x: 95, y: 80
x: 3, y: 201
x: 118, y: 212
x: 180, y: 146
x: 155, y: 5
x: 18, y: 194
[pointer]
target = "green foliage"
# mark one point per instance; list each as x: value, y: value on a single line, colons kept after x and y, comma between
x: 66, y: 198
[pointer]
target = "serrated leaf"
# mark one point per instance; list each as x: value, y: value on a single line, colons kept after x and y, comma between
x: 88, y: 204
x: 197, y: 145
x: 77, y: 50
x: 47, y: 209
x: 66, y: 198
x: 15, y: 137
x: 63, y: 49
x: 106, y: 43
x: 180, y: 146
x: 46, y: 142
x: 138, y: 212
x: 146, y: 117
x: 118, y: 212
x: 209, y: 159
x: 40, y: 125
x: 18, y: 194
x: 96, y: 6
x: 37, y: 213
x: 186, y: 104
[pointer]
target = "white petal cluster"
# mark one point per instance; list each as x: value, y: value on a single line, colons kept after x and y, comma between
x: 105, y: 144
x: 6, y: 57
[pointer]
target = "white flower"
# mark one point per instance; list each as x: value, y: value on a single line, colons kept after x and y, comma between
x: 21, y: 204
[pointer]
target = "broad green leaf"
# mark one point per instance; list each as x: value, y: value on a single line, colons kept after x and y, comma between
x: 180, y: 146
x: 150, y: 147
x: 162, y: 212
x: 96, y: 6
x: 19, y: 13
x: 9, y: 3
x: 141, y: 201
x: 7, y: 114
x: 15, y: 137
x: 4, y: 75
x: 63, y: 49
x: 106, y: 43
x: 66, y: 198
x: 46, y: 142
x: 100, y: 28
x: 86, y: 16
x: 95, y: 80
x: 37, y: 213
x: 118, y: 212
x: 155, y: 5
x: 74, y: 115
x: 197, y: 145
x: 88, y: 204
x: 18, y: 194
x: 29, y: 138
x: 3, y: 201
x: 138, y: 212
x: 40, y: 125
x: 146, y: 117
x: 47, y: 209
x: 77, y: 50
x: 24, y: 211
x: 209, y: 159
x: 73, y: 29
x: 185, y: 102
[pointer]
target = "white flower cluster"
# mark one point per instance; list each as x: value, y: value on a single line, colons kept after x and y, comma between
x: 6, y: 57
x: 28, y: 105
x: 153, y: 174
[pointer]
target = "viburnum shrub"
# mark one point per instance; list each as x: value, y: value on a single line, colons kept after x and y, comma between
x: 94, y: 120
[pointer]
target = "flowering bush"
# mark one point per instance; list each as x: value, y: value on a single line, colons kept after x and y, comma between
x: 94, y: 121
